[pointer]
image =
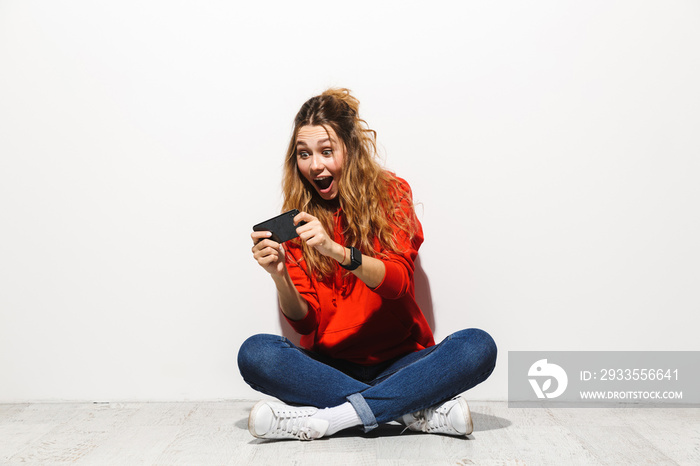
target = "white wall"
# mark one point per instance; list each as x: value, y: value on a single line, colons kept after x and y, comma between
x: 553, y: 145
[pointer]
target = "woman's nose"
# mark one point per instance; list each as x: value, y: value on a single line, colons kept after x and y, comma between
x: 316, y: 163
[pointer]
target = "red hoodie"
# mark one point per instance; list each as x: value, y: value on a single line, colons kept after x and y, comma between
x: 347, y: 319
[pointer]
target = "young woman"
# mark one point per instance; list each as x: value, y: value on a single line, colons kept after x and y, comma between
x: 346, y: 285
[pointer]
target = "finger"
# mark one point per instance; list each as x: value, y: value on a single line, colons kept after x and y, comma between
x: 306, y: 234
x: 313, y: 226
x: 269, y: 259
x: 313, y: 239
x: 303, y: 228
x: 279, y: 252
x: 265, y: 243
x: 304, y: 217
x: 258, y: 235
x: 267, y: 251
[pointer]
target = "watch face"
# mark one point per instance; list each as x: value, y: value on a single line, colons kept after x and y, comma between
x: 356, y: 256
x: 355, y: 259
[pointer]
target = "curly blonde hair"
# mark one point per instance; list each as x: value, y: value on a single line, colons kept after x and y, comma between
x: 367, y: 196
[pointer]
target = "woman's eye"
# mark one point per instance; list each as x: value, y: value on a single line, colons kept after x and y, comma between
x: 327, y: 152
x: 303, y: 155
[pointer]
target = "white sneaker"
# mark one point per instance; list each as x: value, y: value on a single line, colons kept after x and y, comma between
x: 451, y: 417
x: 271, y: 420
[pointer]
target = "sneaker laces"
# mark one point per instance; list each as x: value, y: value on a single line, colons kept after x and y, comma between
x: 293, y: 422
x: 430, y: 420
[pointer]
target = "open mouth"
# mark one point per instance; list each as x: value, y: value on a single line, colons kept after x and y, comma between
x: 324, y: 182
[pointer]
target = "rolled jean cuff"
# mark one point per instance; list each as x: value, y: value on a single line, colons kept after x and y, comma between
x: 366, y: 416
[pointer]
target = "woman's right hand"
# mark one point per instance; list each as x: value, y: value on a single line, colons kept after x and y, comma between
x: 269, y: 254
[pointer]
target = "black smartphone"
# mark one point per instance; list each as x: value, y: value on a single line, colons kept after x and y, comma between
x: 281, y: 226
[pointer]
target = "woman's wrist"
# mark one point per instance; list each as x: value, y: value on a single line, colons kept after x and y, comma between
x: 341, y: 254
x: 290, y: 301
x: 281, y: 279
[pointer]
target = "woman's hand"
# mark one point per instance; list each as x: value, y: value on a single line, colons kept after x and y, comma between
x: 372, y: 270
x: 314, y: 235
x: 269, y: 254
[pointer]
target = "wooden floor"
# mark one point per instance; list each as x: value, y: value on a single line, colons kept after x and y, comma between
x: 213, y: 433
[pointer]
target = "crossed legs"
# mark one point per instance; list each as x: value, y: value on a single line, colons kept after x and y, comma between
x: 273, y: 365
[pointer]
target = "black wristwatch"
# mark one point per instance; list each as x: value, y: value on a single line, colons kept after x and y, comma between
x: 355, y: 259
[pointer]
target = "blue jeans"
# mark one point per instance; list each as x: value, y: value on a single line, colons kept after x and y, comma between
x: 381, y: 393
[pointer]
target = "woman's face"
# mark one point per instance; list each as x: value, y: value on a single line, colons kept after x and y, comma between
x: 320, y: 156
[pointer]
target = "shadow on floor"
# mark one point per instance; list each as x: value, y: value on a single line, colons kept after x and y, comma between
x: 484, y: 422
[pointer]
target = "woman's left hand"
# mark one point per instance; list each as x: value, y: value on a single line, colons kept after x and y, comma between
x: 315, y: 235
x: 372, y: 270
